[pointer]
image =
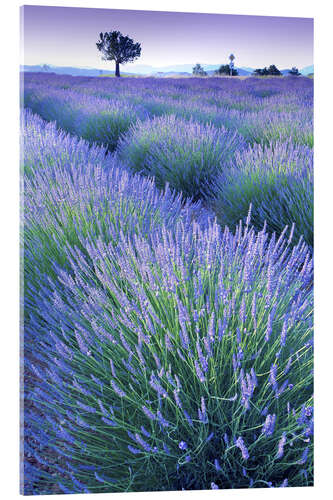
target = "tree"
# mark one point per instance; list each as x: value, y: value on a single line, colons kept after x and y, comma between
x: 261, y: 72
x: 119, y: 48
x: 294, y: 71
x: 198, y: 70
x: 224, y: 69
x: 271, y: 71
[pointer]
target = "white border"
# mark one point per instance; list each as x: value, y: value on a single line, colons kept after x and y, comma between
x: 323, y: 228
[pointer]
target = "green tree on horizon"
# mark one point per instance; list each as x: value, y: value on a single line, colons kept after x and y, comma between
x: 224, y: 69
x: 294, y: 71
x: 198, y: 70
x: 272, y: 70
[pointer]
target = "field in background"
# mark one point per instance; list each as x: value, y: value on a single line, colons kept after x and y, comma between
x: 168, y: 309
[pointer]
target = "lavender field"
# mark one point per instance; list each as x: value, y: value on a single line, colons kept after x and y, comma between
x: 168, y: 283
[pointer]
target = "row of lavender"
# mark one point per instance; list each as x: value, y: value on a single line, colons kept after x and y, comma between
x: 229, y: 142
x: 161, y: 351
x: 261, y: 110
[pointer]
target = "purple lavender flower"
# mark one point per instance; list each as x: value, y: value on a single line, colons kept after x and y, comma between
x: 264, y: 411
x: 188, y: 418
x: 200, y: 375
x: 248, y: 385
x: 217, y: 465
x: 113, y: 370
x: 272, y: 376
x: 202, y: 359
x: 269, y: 325
x: 284, y: 330
x: 269, y: 424
x: 142, y: 442
x: 177, y: 399
x: 161, y: 419
x: 119, y: 391
x: 238, y: 335
x: 166, y: 449
x: 242, y: 310
x: 182, y: 445
x: 145, y: 432
x: 133, y: 450
x: 281, y: 444
x: 241, y: 445
x: 211, y: 435
x: 203, y: 417
x: 304, y: 457
x: 281, y: 389
x: 149, y: 414
x: 85, y: 407
x: 157, y: 386
x: 107, y: 421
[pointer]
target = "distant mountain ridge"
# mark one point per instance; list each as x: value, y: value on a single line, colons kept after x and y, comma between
x: 65, y: 70
x: 144, y: 70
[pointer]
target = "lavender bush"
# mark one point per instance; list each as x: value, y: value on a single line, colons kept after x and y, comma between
x: 162, y: 351
x: 95, y: 119
x: 71, y: 190
x: 277, y: 181
x: 263, y: 111
x: 185, y: 154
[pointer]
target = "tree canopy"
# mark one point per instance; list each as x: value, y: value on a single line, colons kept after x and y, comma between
x: 119, y: 48
x: 294, y: 71
x: 271, y: 71
x: 198, y: 70
x: 224, y: 69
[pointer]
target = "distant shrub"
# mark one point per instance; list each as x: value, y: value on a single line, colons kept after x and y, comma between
x: 224, y: 69
x: 198, y: 70
x: 277, y: 181
x: 294, y: 72
x: 271, y: 71
x: 185, y: 154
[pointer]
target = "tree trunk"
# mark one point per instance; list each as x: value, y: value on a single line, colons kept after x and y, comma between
x: 117, y: 69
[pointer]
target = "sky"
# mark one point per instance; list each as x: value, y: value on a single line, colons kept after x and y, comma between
x: 67, y: 36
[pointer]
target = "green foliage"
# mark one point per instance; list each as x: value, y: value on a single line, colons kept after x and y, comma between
x: 119, y: 48
x: 294, y: 71
x: 198, y: 70
x: 271, y: 71
x: 224, y: 69
x: 277, y: 183
x: 186, y: 154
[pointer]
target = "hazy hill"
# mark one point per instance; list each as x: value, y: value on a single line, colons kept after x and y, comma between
x: 307, y: 70
x: 144, y: 70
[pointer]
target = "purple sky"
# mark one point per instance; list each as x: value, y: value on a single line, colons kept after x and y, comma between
x: 66, y: 36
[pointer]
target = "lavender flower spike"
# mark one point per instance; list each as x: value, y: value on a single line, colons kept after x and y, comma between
x: 281, y: 444
x: 182, y: 445
x: 241, y: 445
